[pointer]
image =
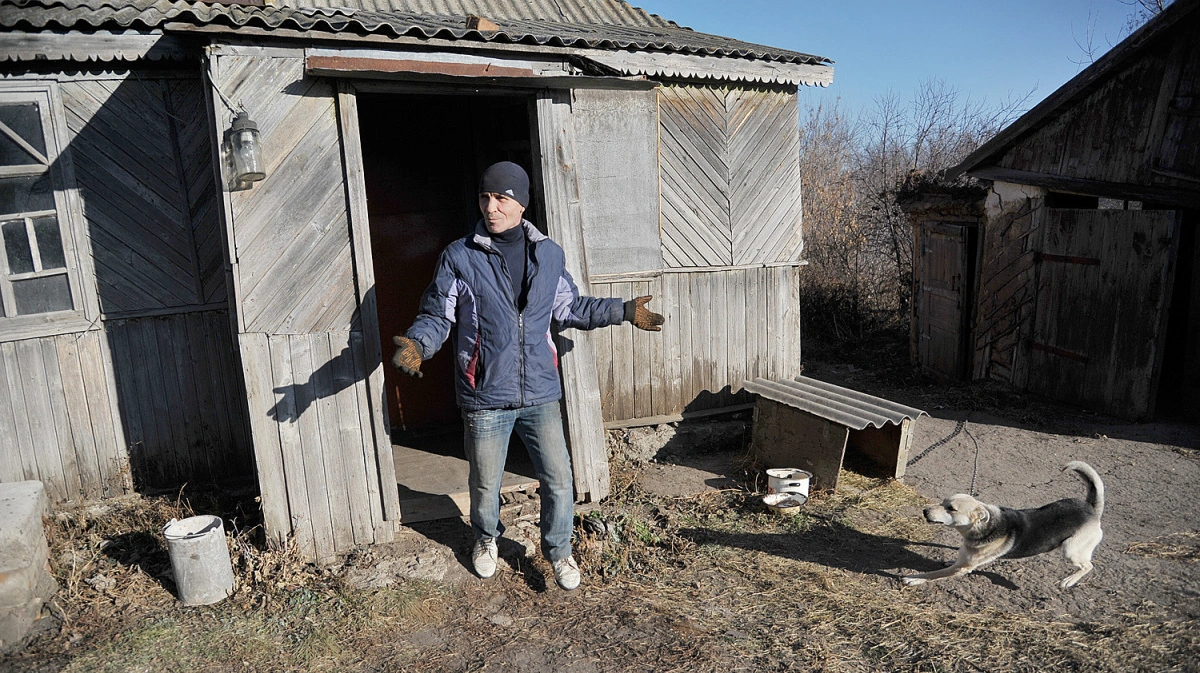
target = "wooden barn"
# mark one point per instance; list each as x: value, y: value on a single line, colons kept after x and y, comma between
x: 1071, y: 268
x: 178, y: 309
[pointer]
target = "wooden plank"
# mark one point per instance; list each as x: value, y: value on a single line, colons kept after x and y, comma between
x: 643, y: 364
x: 698, y: 333
x: 557, y: 164
x: 35, y: 387
x: 204, y: 373
x: 735, y: 306
x: 624, y: 363
x: 108, y: 430
x: 311, y: 447
x: 178, y: 403
x: 719, y: 322
x: 603, y: 342
x: 271, y: 383
x: 63, y: 432
x: 76, y: 405
x: 23, y: 433
x: 324, y: 407
x: 661, y: 351
x: 754, y: 322
x: 377, y: 477
x: 371, y: 354
x: 11, y: 467
x: 350, y: 438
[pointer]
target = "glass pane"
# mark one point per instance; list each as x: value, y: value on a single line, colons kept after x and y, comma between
x: 42, y: 295
x: 12, y: 154
x: 22, y: 118
x: 27, y: 194
x: 49, y: 242
x: 16, y: 245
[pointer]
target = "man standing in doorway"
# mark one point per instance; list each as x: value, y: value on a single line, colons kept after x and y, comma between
x: 501, y: 286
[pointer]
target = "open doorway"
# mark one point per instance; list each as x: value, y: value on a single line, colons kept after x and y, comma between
x: 422, y: 157
x: 1179, y: 382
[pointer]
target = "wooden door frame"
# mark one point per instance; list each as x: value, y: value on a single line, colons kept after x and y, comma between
x: 364, y: 283
x: 553, y: 142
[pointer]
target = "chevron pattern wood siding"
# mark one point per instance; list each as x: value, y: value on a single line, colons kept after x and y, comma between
x: 291, y: 232
x: 730, y: 176
x: 143, y: 163
x: 302, y: 348
x: 722, y: 328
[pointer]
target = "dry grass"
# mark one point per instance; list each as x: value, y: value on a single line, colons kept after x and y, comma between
x: 1175, y: 546
x: 713, y: 582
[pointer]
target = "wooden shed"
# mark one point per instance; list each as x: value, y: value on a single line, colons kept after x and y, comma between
x: 169, y: 324
x: 1071, y: 268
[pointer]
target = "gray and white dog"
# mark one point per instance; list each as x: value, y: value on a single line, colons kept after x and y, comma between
x: 990, y: 532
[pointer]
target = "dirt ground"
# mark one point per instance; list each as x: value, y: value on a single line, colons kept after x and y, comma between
x: 685, y: 570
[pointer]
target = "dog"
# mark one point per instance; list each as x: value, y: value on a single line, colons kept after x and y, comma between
x: 990, y: 532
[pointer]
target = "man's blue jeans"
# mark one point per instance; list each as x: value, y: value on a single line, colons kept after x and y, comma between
x: 486, y: 435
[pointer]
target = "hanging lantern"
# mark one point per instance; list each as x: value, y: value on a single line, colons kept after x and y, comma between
x: 247, y: 151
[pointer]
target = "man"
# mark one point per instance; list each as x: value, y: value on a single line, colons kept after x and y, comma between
x: 501, y: 286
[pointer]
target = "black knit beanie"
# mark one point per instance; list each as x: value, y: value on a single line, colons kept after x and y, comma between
x: 506, y: 178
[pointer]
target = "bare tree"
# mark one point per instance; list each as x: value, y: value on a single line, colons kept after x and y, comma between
x: 859, y: 242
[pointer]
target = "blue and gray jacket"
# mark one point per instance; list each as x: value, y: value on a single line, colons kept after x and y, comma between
x: 505, y: 358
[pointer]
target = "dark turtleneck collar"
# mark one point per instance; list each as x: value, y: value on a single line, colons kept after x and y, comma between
x: 511, y: 244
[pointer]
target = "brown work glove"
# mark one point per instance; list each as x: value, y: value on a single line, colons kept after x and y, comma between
x: 642, y: 317
x: 407, y: 357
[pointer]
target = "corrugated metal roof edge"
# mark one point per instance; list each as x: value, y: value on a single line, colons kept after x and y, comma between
x: 841, y: 405
x: 42, y: 16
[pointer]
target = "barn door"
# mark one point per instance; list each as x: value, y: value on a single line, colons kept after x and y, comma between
x: 303, y: 306
x: 941, y: 319
x: 1103, y: 292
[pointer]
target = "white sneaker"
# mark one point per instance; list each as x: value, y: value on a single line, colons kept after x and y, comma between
x: 566, y: 573
x: 483, y: 557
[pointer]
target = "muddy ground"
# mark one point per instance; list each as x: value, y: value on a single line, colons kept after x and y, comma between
x: 685, y: 570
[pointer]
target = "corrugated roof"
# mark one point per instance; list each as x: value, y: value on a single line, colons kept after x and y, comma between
x: 153, y: 14
x: 595, y: 12
x: 843, y: 406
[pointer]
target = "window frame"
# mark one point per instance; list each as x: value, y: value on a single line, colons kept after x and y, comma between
x: 68, y: 212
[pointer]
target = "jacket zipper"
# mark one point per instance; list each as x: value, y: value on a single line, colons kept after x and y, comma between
x: 520, y: 328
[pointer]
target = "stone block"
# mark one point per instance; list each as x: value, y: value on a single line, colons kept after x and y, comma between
x: 22, y: 504
x: 25, y: 580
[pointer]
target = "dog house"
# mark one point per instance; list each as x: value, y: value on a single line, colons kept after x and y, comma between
x: 818, y: 426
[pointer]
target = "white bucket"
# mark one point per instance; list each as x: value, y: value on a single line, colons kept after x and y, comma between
x: 199, y: 559
x: 788, y: 480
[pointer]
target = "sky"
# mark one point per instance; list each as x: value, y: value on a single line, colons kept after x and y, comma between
x: 986, y: 50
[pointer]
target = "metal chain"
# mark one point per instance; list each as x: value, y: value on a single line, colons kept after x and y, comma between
x: 957, y: 429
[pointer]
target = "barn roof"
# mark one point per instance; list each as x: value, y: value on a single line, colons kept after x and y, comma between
x: 598, y: 24
x: 1075, y: 90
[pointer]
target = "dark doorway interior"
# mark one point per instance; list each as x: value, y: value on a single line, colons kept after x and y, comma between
x: 422, y: 156
x: 1179, y: 382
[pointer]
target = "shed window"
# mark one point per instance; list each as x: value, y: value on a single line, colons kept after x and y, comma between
x: 35, y: 276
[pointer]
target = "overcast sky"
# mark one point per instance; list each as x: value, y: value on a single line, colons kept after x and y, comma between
x: 987, y: 50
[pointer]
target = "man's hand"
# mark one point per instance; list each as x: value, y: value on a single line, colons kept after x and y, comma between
x: 642, y: 317
x: 407, y: 357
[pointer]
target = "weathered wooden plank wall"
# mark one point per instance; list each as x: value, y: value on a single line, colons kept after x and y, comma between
x: 297, y: 311
x: 722, y: 328
x: 150, y: 397
x: 1139, y: 127
x: 1006, y: 291
x: 730, y: 176
x: 181, y: 398
x: 142, y: 159
x: 58, y: 418
x: 1103, y: 288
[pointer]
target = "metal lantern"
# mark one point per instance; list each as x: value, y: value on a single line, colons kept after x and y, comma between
x: 247, y: 150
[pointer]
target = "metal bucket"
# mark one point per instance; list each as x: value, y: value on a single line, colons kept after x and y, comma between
x: 199, y: 559
x: 788, y: 480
